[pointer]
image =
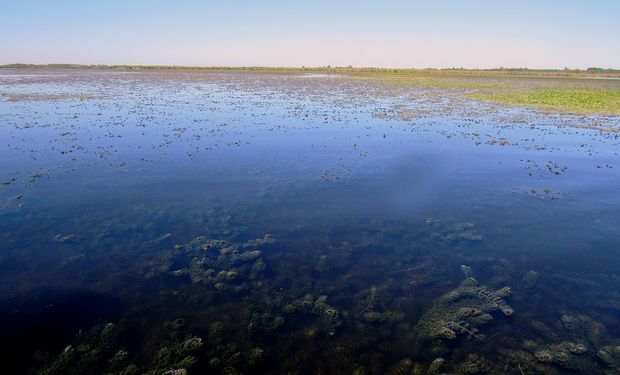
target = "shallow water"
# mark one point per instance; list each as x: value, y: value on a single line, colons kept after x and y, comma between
x: 376, y: 212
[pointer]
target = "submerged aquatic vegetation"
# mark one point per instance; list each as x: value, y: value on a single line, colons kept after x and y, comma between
x: 610, y: 355
x: 316, y: 306
x: 217, y: 263
x: 108, y: 349
x: 97, y: 348
x: 575, y: 343
x: 462, y: 310
x: 456, y: 232
x: 172, y: 349
x: 103, y: 349
x: 565, y: 354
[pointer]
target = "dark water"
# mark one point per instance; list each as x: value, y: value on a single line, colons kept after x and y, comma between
x: 107, y: 184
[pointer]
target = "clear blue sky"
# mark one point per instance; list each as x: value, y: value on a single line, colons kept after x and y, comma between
x: 441, y: 33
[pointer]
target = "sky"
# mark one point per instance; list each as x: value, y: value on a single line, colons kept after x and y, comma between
x: 398, y: 33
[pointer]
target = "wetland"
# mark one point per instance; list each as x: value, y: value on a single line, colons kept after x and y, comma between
x: 275, y: 222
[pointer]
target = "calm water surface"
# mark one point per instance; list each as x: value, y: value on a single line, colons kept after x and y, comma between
x: 254, y: 223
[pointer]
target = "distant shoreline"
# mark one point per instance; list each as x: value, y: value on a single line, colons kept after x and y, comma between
x: 521, y: 72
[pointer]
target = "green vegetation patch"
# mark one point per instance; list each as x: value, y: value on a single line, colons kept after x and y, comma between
x: 579, y: 101
x: 443, y: 84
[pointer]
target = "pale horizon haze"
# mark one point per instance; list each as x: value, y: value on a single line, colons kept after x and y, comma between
x: 399, y: 34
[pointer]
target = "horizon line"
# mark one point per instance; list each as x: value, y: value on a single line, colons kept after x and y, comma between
x: 303, y: 67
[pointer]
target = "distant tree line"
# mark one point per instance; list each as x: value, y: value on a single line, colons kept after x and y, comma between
x: 336, y: 69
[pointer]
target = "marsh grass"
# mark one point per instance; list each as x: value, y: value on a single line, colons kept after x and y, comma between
x: 443, y: 83
x: 578, y: 101
x: 562, y: 94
